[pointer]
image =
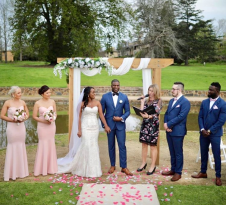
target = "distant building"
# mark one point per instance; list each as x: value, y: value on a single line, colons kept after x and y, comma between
x: 113, y: 54
x: 10, y: 56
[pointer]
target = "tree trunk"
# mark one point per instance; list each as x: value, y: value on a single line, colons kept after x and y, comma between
x: 21, y: 56
x: 186, y: 61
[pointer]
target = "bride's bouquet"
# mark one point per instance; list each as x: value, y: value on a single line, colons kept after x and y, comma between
x: 49, y: 115
x: 19, y: 115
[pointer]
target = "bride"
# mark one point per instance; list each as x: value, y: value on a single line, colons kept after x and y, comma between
x: 86, y: 162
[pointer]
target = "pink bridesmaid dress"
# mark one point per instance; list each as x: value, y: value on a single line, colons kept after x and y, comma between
x: 46, y: 157
x: 16, y: 165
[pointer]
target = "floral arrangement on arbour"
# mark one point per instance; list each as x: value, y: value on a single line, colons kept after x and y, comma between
x: 82, y: 63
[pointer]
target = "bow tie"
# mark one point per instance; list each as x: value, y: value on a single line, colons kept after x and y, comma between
x: 175, y: 99
x: 114, y: 94
x: 213, y: 99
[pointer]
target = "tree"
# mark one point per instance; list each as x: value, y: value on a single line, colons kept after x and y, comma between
x: 198, y: 35
x: 154, y: 23
x: 206, y: 41
x: 54, y: 28
x: 6, y: 10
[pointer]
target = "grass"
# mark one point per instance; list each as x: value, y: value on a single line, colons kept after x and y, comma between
x: 37, y: 193
x: 192, y: 194
x: 195, y: 76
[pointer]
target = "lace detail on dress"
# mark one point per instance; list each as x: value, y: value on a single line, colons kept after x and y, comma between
x: 86, y: 162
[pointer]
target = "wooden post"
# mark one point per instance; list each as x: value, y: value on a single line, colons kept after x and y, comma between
x: 70, y: 114
x: 156, y: 79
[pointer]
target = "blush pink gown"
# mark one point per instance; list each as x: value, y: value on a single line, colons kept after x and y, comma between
x: 46, y: 157
x: 16, y: 165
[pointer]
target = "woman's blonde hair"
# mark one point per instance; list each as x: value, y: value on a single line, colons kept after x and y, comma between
x: 13, y: 90
x: 156, y: 90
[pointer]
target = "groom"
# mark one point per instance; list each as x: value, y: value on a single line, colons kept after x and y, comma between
x: 115, y: 106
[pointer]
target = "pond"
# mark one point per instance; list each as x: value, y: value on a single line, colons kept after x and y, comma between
x: 133, y: 123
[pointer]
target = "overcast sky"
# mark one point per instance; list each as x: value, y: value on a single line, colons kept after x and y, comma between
x: 212, y: 9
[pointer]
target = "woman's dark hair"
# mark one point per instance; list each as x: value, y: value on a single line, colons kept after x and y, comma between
x: 86, y: 95
x: 43, y: 89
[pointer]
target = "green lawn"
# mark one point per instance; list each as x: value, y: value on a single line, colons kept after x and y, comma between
x: 195, y: 76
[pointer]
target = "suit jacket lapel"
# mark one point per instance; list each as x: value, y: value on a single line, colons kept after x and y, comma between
x: 177, y: 102
x: 214, y: 104
x: 119, y: 97
x: 111, y: 99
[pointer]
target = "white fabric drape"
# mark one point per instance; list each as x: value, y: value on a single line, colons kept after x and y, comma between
x: 124, y: 68
x: 146, y: 74
x: 75, y: 141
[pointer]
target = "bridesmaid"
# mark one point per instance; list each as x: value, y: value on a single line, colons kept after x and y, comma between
x: 46, y: 157
x: 16, y: 165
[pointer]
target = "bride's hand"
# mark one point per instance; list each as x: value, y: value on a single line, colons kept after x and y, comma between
x: 107, y: 129
x: 79, y: 133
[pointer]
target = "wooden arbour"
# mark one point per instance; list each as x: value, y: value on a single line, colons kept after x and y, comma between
x: 155, y: 64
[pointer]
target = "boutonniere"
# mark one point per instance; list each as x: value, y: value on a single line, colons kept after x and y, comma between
x: 178, y: 106
x: 120, y: 101
x: 215, y: 107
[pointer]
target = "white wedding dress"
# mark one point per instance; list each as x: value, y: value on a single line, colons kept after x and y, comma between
x: 86, y: 162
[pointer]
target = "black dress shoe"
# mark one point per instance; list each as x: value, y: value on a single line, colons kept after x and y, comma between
x: 141, y: 169
x: 150, y: 173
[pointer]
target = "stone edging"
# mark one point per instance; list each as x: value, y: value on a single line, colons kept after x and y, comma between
x: 131, y: 91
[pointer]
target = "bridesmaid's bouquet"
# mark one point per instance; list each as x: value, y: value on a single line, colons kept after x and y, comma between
x: 19, y: 115
x: 49, y: 115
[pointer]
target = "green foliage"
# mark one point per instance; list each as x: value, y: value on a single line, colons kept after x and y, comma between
x: 198, y: 35
x: 50, y: 28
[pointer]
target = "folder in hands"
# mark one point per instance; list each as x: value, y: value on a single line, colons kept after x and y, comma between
x: 149, y: 110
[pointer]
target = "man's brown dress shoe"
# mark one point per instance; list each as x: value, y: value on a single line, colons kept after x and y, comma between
x: 218, y: 181
x: 126, y: 171
x: 167, y: 173
x: 175, y: 177
x: 111, y: 170
x: 199, y: 175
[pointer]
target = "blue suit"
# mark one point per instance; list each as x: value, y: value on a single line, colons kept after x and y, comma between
x: 176, y: 118
x: 211, y: 119
x: 118, y: 129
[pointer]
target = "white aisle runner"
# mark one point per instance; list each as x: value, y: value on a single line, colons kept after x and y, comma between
x: 116, y: 194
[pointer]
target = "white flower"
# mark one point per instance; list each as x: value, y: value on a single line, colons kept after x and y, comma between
x: 120, y: 101
x: 70, y: 61
x: 97, y: 63
x: 87, y: 60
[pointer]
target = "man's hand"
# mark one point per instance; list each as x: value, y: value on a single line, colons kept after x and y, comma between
x: 165, y: 126
x: 205, y: 133
x: 117, y: 119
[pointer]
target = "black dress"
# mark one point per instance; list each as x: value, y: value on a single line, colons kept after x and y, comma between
x: 149, y: 130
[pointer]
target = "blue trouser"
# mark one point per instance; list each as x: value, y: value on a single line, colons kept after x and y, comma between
x: 121, y: 138
x: 204, y: 147
x: 176, y: 152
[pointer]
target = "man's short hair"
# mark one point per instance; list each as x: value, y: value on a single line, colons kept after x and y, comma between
x: 115, y: 80
x: 180, y: 85
x: 217, y: 85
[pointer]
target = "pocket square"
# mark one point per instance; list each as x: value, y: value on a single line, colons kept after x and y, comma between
x: 215, y: 107
x: 178, y: 106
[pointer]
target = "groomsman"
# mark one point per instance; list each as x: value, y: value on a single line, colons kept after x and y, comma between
x: 175, y: 125
x: 212, y: 116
